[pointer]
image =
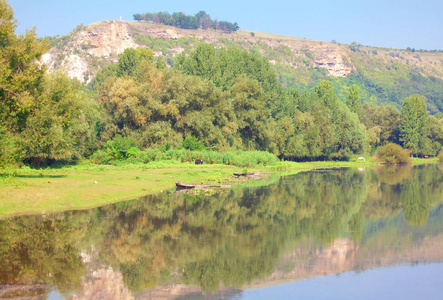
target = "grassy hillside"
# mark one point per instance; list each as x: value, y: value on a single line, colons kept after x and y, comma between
x: 384, y: 75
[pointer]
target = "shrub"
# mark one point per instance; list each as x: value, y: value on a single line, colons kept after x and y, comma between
x: 192, y: 143
x: 118, y: 148
x: 133, y: 152
x: 393, y: 154
x: 340, y: 156
x: 100, y: 157
x: 249, y: 158
x: 134, y: 155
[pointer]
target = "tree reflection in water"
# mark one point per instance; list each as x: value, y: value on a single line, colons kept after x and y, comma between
x: 229, y: 237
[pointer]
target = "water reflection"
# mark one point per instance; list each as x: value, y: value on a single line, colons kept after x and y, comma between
x: 315, y: 223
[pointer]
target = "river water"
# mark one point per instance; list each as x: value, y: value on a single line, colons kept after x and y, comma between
x: 367, y: 233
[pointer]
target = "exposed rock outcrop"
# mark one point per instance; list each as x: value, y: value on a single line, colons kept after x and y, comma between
x: 107, y: 39
x: 85, y: 50
x: 88, y: 48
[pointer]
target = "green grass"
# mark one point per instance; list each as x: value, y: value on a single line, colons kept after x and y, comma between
x: 41, y: 191
x: 27, y: 191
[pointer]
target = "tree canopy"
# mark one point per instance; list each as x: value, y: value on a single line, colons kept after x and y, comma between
x: 179, y: 19
x: 223, y: 97
x: 42, y: 116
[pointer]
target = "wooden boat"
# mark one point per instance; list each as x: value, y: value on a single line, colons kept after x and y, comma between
x: 181, y: 185
x: 247, y: 174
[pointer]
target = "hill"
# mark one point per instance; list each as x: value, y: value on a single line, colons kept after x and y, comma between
x: 384, y: 75
x: 243, y: 91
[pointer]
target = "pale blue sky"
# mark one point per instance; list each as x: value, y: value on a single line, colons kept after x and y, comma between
x: 384, y: 23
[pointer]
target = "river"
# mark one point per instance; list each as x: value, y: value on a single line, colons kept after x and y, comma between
x: 367, y: 233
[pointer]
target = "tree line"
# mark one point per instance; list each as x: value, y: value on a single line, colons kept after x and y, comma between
x: 225, y: 98
x: 179, y: 19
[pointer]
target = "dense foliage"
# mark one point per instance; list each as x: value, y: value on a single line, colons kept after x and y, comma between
x: 214, y: 98
x: 393, y: 154
x: 179, y: 19
x: 383, y: 76
x: 227, y: 99
x: 42, y: 117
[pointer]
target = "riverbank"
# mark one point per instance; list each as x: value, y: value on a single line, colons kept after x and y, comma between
x: 41, y: 191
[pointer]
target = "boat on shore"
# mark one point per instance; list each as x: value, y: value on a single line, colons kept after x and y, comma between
x: 181, y: 185
x: 247, y: 174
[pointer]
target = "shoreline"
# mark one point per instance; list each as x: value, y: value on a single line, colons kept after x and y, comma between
x: 28, y: 191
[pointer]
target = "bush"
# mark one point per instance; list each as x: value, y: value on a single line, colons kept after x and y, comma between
x: 118, y: 155
x: 340, y: 156
x: 249, y: 158
x: 393, y: 154
x: 440, y: 156
x: 101, y: 157
x: 192, y: 143
x: 118, y: 148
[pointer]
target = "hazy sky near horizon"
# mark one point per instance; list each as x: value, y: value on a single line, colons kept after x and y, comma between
x: 382, y: 23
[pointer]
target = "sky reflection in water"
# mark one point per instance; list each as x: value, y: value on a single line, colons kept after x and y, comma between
x: 400, y: 282
x: 258, y: 241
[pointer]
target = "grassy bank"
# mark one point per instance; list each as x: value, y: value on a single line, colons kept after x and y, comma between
x: 31, y: 191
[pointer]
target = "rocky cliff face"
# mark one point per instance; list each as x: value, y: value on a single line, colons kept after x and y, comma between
x: 87, y: 48
x: 107, y: 39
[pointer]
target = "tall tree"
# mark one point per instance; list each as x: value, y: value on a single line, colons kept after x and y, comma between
x: 20, y: 74
x: 382, y: 124
x: 61, y: 124
x: 20, y: 80
x: 204, y: 19
x: 413, y: 129
x: 353, y: 100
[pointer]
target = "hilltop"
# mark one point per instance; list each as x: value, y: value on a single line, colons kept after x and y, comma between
x: 385, y: 75
x: 175, y: 90
x: 97, y: 43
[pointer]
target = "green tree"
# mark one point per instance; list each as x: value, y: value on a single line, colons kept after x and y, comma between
x: 130, y: 59
x: 62, y: 122
x: 124, y: 110
x: 204, y: 19
x: 201, y: 62
x: 382, y: 124
x: 351, y: 133
x: 414, y: 130
x: 435, y: 135
x: 42, y: 117
x: 20, y: 81
x: 325, y: 93
x: 248, y: 101
x: 353, y: 100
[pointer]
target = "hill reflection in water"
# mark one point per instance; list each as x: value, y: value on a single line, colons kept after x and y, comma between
x: 173, y: 246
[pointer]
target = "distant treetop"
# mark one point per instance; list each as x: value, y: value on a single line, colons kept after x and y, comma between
x: 178, y: 19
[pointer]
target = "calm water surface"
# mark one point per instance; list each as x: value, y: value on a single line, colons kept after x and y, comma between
x: 372, y: 233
